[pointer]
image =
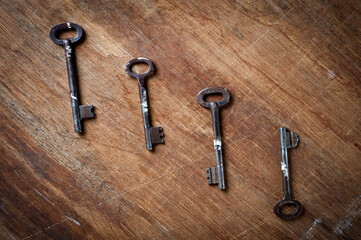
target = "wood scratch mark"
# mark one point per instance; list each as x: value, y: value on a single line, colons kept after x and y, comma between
x: 310, y: 232
x: 295, y: 67
x: 267, y: 31
x: 12, y: 236
x: 330, y: 74
x: 41, y: 195
x: 164, y: 227
x: 353, y: 120
x: 352, y: 211
x: 16, y: 172
x: 140, y: 36
x: 141, y: 185
x: 47, y: 228
x: 73, y: 220
x: 254, y: 227
x: 136, y: 187
x: 253, y: 43
x: 109, y: 37
x: 309, y: 185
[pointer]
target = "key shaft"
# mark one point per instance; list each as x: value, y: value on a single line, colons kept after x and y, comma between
x: 284, y: 163
x: 217, y: 142
x: 288, y: 140
x: 73, y: 85
x: 145, y: 114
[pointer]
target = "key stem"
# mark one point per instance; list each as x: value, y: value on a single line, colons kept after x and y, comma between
x: 73, y: 85
x: 284, y: 164
x: 145, y: 113
x: 218, y: 144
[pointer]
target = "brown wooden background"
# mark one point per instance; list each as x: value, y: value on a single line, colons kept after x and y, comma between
x: 286, y: 63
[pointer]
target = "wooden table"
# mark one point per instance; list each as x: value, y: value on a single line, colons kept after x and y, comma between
x: 286, y: 63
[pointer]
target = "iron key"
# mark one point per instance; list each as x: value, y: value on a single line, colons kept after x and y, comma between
x: 288, y: 140
x: 153, y: 135
x: 79, y: 111
x: 215, y: 175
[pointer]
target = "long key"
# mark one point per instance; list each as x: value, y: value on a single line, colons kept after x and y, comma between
x: 79, y: 111
x: 215, y: 175
x: 153, y: 135
x: 288, y: 140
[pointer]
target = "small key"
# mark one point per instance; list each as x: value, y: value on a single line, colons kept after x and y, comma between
x: 153, y: 135
x: 215, y: 175
x: 79, y: 111
x: 288, y: 140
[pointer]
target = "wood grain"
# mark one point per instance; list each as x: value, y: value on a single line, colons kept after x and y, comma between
x: 286, y: 63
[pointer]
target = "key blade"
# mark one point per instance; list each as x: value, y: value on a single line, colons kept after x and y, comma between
x: 156, y: 134
x: 212, y: 176
x: 289, y: 139
x: 86, y: 111
x: 294, y: 139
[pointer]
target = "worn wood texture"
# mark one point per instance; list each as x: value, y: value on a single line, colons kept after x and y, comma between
x: 286, y: 63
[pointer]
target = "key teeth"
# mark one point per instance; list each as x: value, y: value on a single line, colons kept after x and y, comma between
x: 294, y: 139
x: 291, y: 139
x: 157, y: 134
x: 211, y: 175
x: 208, y: 176
x: 86, y: 111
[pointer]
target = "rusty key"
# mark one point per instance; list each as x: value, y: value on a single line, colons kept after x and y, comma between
x: 79, y: 111
x: 153, y: 135
x: 288, y: 140
x: 215, y: 175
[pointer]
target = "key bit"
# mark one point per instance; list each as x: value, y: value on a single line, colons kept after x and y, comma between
x: 212, y: 176
x: 79, y: 111
x: 153, y: 135
x: 156, y: 134
x: 215, y: 175
x: 291, y: 139
x: 288, y: 140
x: 86, y: 111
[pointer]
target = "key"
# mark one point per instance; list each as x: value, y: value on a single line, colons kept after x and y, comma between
x: 79, y: 111
x: 153, y: 135
x: 288, y: 140
x: 215, y: 175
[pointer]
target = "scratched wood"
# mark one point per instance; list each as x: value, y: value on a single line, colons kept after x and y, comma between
x: 286, y: 63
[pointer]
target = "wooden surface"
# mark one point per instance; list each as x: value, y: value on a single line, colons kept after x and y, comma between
x: 286, y: 63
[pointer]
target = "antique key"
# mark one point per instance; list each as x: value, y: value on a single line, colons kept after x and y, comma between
x: 79, y: 111
x: 215, y: 175
x: 153, y: 135
x: 288, y: 140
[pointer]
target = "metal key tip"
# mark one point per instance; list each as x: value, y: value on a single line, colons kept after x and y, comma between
x: 290, y: 137
x: 294, y: 139
x: 86, y: 111
x: 211, y: 175
x: 156, y: 134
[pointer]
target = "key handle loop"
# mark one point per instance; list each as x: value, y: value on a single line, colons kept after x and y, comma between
x: 62, y: 27
x: 139, y: 76
x: 211, y: 90
x: 288, y: 201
